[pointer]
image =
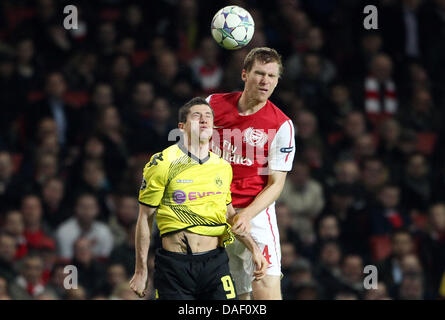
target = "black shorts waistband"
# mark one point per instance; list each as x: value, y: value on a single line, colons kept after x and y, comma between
x: 201, y: 256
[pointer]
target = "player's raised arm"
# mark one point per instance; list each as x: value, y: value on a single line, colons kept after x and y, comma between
x: 261, y: 263
x: 142, y: 244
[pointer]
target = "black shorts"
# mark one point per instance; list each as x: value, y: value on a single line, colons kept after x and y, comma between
x: 193, y: 276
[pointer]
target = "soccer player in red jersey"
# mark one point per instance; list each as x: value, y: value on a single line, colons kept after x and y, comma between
x: 257, y: 138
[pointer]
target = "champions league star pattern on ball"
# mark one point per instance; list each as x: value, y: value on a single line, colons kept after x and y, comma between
x: 232, y: 27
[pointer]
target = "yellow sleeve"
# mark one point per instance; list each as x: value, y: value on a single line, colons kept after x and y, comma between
x: 229, y: 193
x: 153, y: 181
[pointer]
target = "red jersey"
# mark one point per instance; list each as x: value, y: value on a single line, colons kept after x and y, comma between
x: 251, y: 143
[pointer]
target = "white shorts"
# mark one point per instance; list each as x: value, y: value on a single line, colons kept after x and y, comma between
x: 264, y: 231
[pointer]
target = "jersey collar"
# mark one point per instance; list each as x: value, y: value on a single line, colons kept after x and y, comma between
x: 192, y: 156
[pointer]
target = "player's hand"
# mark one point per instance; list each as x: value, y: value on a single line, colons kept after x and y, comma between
x: 139, y: 283
x: 261, y: 265
x: 241, y: 224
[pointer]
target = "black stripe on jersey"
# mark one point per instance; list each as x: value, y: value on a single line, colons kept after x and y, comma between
x: 188, y: 216
x: 148, y: 205
x: 188, y: 227
x: 184, y: 218
x: 176, y: 167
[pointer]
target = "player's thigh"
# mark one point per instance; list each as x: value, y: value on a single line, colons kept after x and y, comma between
x: 171, y: 280
x: 241, y: 267
x: 216, y: 282
x: 268, y: 288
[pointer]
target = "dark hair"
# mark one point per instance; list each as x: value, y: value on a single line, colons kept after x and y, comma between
x: 185, y: 109
x: 263, y: 55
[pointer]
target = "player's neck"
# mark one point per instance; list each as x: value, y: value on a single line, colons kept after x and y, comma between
x: 247, y: 106
x: 198, y: 149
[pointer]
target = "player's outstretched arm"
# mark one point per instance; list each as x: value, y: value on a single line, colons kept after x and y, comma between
x: 261, y: 263
x: 264, y: 199
x: 142, y: 243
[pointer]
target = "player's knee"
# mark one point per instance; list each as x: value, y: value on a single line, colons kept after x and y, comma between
x: 268, y: 283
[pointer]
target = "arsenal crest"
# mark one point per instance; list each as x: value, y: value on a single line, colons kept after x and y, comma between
x: 255, y: 137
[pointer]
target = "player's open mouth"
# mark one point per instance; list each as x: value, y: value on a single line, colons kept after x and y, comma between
x: 263, y: 90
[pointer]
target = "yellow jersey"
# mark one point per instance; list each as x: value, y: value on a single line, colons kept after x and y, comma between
x: 189, y: 193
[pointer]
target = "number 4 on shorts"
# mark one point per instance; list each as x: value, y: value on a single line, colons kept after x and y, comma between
x: 266, y: 253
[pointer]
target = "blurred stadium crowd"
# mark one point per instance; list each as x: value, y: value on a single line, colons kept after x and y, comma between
x: 82, y: 111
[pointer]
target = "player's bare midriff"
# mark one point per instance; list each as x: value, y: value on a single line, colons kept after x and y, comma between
x: 177, y: 242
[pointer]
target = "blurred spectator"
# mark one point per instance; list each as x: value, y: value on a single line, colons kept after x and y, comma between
x: 307, y: 125
x: 138, y: 112
x: 83, y: 223
x: 327, y: 228
x: 403, y: 29
x: 416, y: 183
x: 315, y: 44
x: 121, y: 77
x: 76, y: 294
x: 28, y: 67
x: 90, y: 272
x: 4, y: 292
x: 112, y: 132
x: 206, y: 67
x: 387, y: 215
x: 432, y: 245
x: 286, y: 227
x: 388, y: 150
x: 124, y: 253
x: 380, y: 92
x: 354, y: 126
x: 352, y: 273
x: 153, y: 136
x: 54, y: 106
x: 11, y: 186
x: 29, y: 283
x: 56, y: 280
x: 346, y: 295
x: 115, y: 276
x: 381, y: 293
x: 390, y: 269
x: 310, y: 83
x: 370, y: 44
x: 93, y: 180
x: 124, y: 217
x: 12, y: 99
x: 37, y: 233
x: 55, y: 210
x: 232, y: 75
x: 7, y: 254
x: 364, y: 146
x: 422, y: 115
x: 171, y: 78
x: 304, y: 197
x: 14, y: 226
x: 328, y: 268
x: 333, y: 111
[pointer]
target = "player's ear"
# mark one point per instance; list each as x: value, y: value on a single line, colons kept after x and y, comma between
x: 244, y: 75
x: 181, y: 125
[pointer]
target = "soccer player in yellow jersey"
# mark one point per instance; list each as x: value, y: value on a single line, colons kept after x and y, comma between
x: 189, y: 189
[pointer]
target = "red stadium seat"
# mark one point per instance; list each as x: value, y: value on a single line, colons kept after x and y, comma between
x: 380, y: 246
